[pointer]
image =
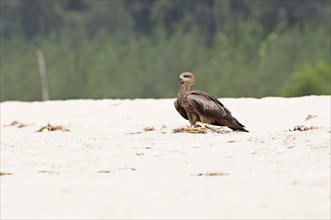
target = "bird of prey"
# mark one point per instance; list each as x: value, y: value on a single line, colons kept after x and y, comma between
x: 200, y: 107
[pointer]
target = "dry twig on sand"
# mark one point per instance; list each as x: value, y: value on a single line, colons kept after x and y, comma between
x: 17, y: 124
x: 302, y: 128
x: 50, y: 127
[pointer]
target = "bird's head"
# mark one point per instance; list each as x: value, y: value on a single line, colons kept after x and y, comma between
x: 187, y: 78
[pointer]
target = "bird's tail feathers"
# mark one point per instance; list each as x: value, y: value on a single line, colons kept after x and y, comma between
x: 239, y: 129
x: 238, y: 126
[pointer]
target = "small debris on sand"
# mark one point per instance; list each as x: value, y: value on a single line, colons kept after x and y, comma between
x: 211, y: 174
x: 5, y: 174
x: 130, y: 133
x: 119, y: 169
x: 190, y: 130
x: 149, y: 129
x: 302, y: 128
x: 48, y: 171
x: 17, y: 124
x: 310, y: 117
x: 146, y: 129
x: 200, y: 130
x: 104, y: 171
x: 50, y: 127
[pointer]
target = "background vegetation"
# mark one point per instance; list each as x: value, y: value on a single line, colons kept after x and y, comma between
x: 137, y: 48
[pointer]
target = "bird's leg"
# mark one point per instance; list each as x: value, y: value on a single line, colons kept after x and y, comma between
x: 192, y: 128
x: 197, y: 127
x: 205, y: 126
x: 193, y: 119
x: 199, y: 124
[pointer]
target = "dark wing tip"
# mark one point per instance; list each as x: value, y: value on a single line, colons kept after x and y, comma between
x: 237, y: 126
x: 239, y: 129
x: 244, y: 130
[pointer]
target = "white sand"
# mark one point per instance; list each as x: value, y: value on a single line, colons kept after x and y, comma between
x: 105, y: 168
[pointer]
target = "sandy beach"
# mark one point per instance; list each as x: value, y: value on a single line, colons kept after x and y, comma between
x: 122, y: 159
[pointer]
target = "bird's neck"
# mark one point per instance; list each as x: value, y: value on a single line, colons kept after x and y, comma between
x: 186, y: 87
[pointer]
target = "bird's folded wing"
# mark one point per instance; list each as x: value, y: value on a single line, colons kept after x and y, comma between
x: 206, y: 104
x: 180, y: 109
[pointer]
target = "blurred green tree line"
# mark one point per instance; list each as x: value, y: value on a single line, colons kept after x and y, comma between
x: 137, y: 48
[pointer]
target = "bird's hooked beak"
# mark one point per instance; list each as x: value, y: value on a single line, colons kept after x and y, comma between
x: 180, y: 78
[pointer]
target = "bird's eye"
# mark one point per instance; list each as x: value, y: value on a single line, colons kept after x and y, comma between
x: 186, y: 76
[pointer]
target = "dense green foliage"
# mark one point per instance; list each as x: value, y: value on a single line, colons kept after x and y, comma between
x: 137, y: 48
x: 310, y: 79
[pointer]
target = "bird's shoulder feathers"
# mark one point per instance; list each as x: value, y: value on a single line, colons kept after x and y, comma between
x: 207, y: 104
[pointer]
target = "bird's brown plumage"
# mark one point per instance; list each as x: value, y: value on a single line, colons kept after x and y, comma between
x: 199, y: 106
